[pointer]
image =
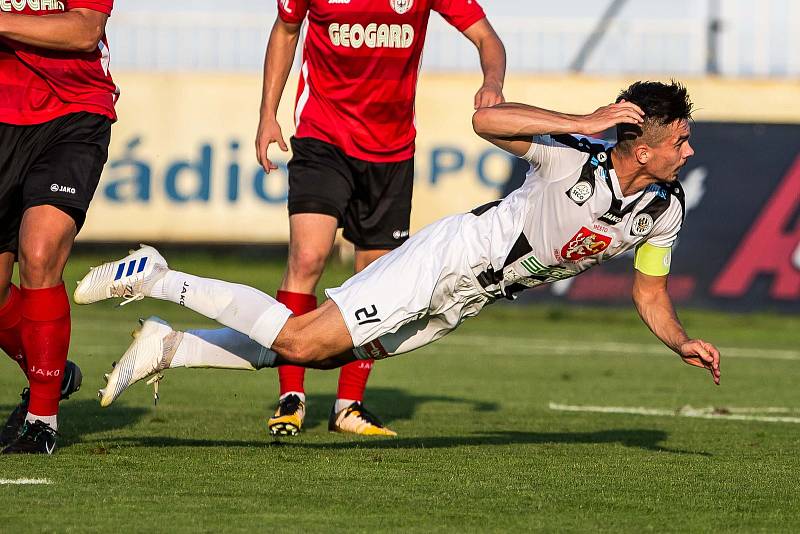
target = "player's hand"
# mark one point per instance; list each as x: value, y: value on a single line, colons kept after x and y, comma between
x: 269, y: 131
x: 609, y: 116
x: 488, y: 96
x: 701, y: 354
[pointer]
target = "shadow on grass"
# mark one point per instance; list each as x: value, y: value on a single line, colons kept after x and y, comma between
x: 80, y: 418
x: 84, y: 417
x: 389, y: 404
x: 635, y: 438
x: 646, y: 439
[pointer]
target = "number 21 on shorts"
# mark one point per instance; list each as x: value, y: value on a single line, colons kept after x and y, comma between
x: 367, y: 315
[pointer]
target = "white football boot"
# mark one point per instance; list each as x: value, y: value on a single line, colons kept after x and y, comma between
x: 152, y: 350
x: 130, y: 278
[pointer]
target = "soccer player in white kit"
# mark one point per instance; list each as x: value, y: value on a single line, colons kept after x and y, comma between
x: 583, y: 202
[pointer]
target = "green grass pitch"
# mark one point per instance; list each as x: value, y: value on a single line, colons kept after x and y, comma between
x: 481, y: 447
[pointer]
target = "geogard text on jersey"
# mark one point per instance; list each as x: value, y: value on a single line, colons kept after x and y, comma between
x: 372, y: 36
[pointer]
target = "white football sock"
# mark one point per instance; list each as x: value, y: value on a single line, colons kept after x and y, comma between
x: 50, y: 420
x: 237, y: 306
x: 298, y: 393
x: 221, y: 348
x: 341, y: 404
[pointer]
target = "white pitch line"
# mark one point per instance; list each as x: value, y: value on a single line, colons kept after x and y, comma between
x: 558, y: 347
x: 696, y: 413
x: 24, y: 481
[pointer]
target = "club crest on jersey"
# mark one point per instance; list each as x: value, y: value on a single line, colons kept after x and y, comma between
x: 583, y: 244
x: 642, y: 224
x: 580, y: 192
x: 401, y: 6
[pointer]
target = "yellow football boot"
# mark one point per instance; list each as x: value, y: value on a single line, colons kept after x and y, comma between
x: 288, y: 418
x: 356, y: 419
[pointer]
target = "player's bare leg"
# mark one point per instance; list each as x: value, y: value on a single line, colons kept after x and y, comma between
x: 310, y: 245
x: 318, y: 339
x: 46, y: 236
x: 311, y: 237
x: 348, y: 413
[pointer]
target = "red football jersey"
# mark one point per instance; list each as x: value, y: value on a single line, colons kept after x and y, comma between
x: 38, y: 85
x: 359, y: 71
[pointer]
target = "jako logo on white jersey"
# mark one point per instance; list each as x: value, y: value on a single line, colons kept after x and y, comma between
x: 35, y: 5
x: 373, y: 36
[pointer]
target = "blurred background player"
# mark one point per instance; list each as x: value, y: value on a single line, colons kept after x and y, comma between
x: 352, y: 164
x: 56, y: 109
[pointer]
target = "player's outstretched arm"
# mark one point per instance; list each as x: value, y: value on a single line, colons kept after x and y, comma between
x: 511, y: 126
x: 656, y: 310
x: 77, y: 30
x: 492, y: 55
x: 277, y: 64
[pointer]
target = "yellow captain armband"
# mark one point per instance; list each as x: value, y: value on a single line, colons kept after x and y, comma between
x: 652, y: 260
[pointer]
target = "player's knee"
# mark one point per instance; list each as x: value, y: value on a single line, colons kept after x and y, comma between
x: 39, y: 264
x: 306, y: 264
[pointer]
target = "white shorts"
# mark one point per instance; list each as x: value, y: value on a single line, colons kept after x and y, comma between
x: 415, y: 294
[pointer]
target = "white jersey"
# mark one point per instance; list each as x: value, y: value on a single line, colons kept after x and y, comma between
x: 570, y: 215
x: 567, y: 217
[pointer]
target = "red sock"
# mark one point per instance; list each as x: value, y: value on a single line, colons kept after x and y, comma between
x: 10, y: 319
x: 45, y: 340
x: 292, y: 377
x: 353, y: 380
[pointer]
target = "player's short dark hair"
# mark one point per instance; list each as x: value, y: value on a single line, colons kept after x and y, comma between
x: 662, y: 104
